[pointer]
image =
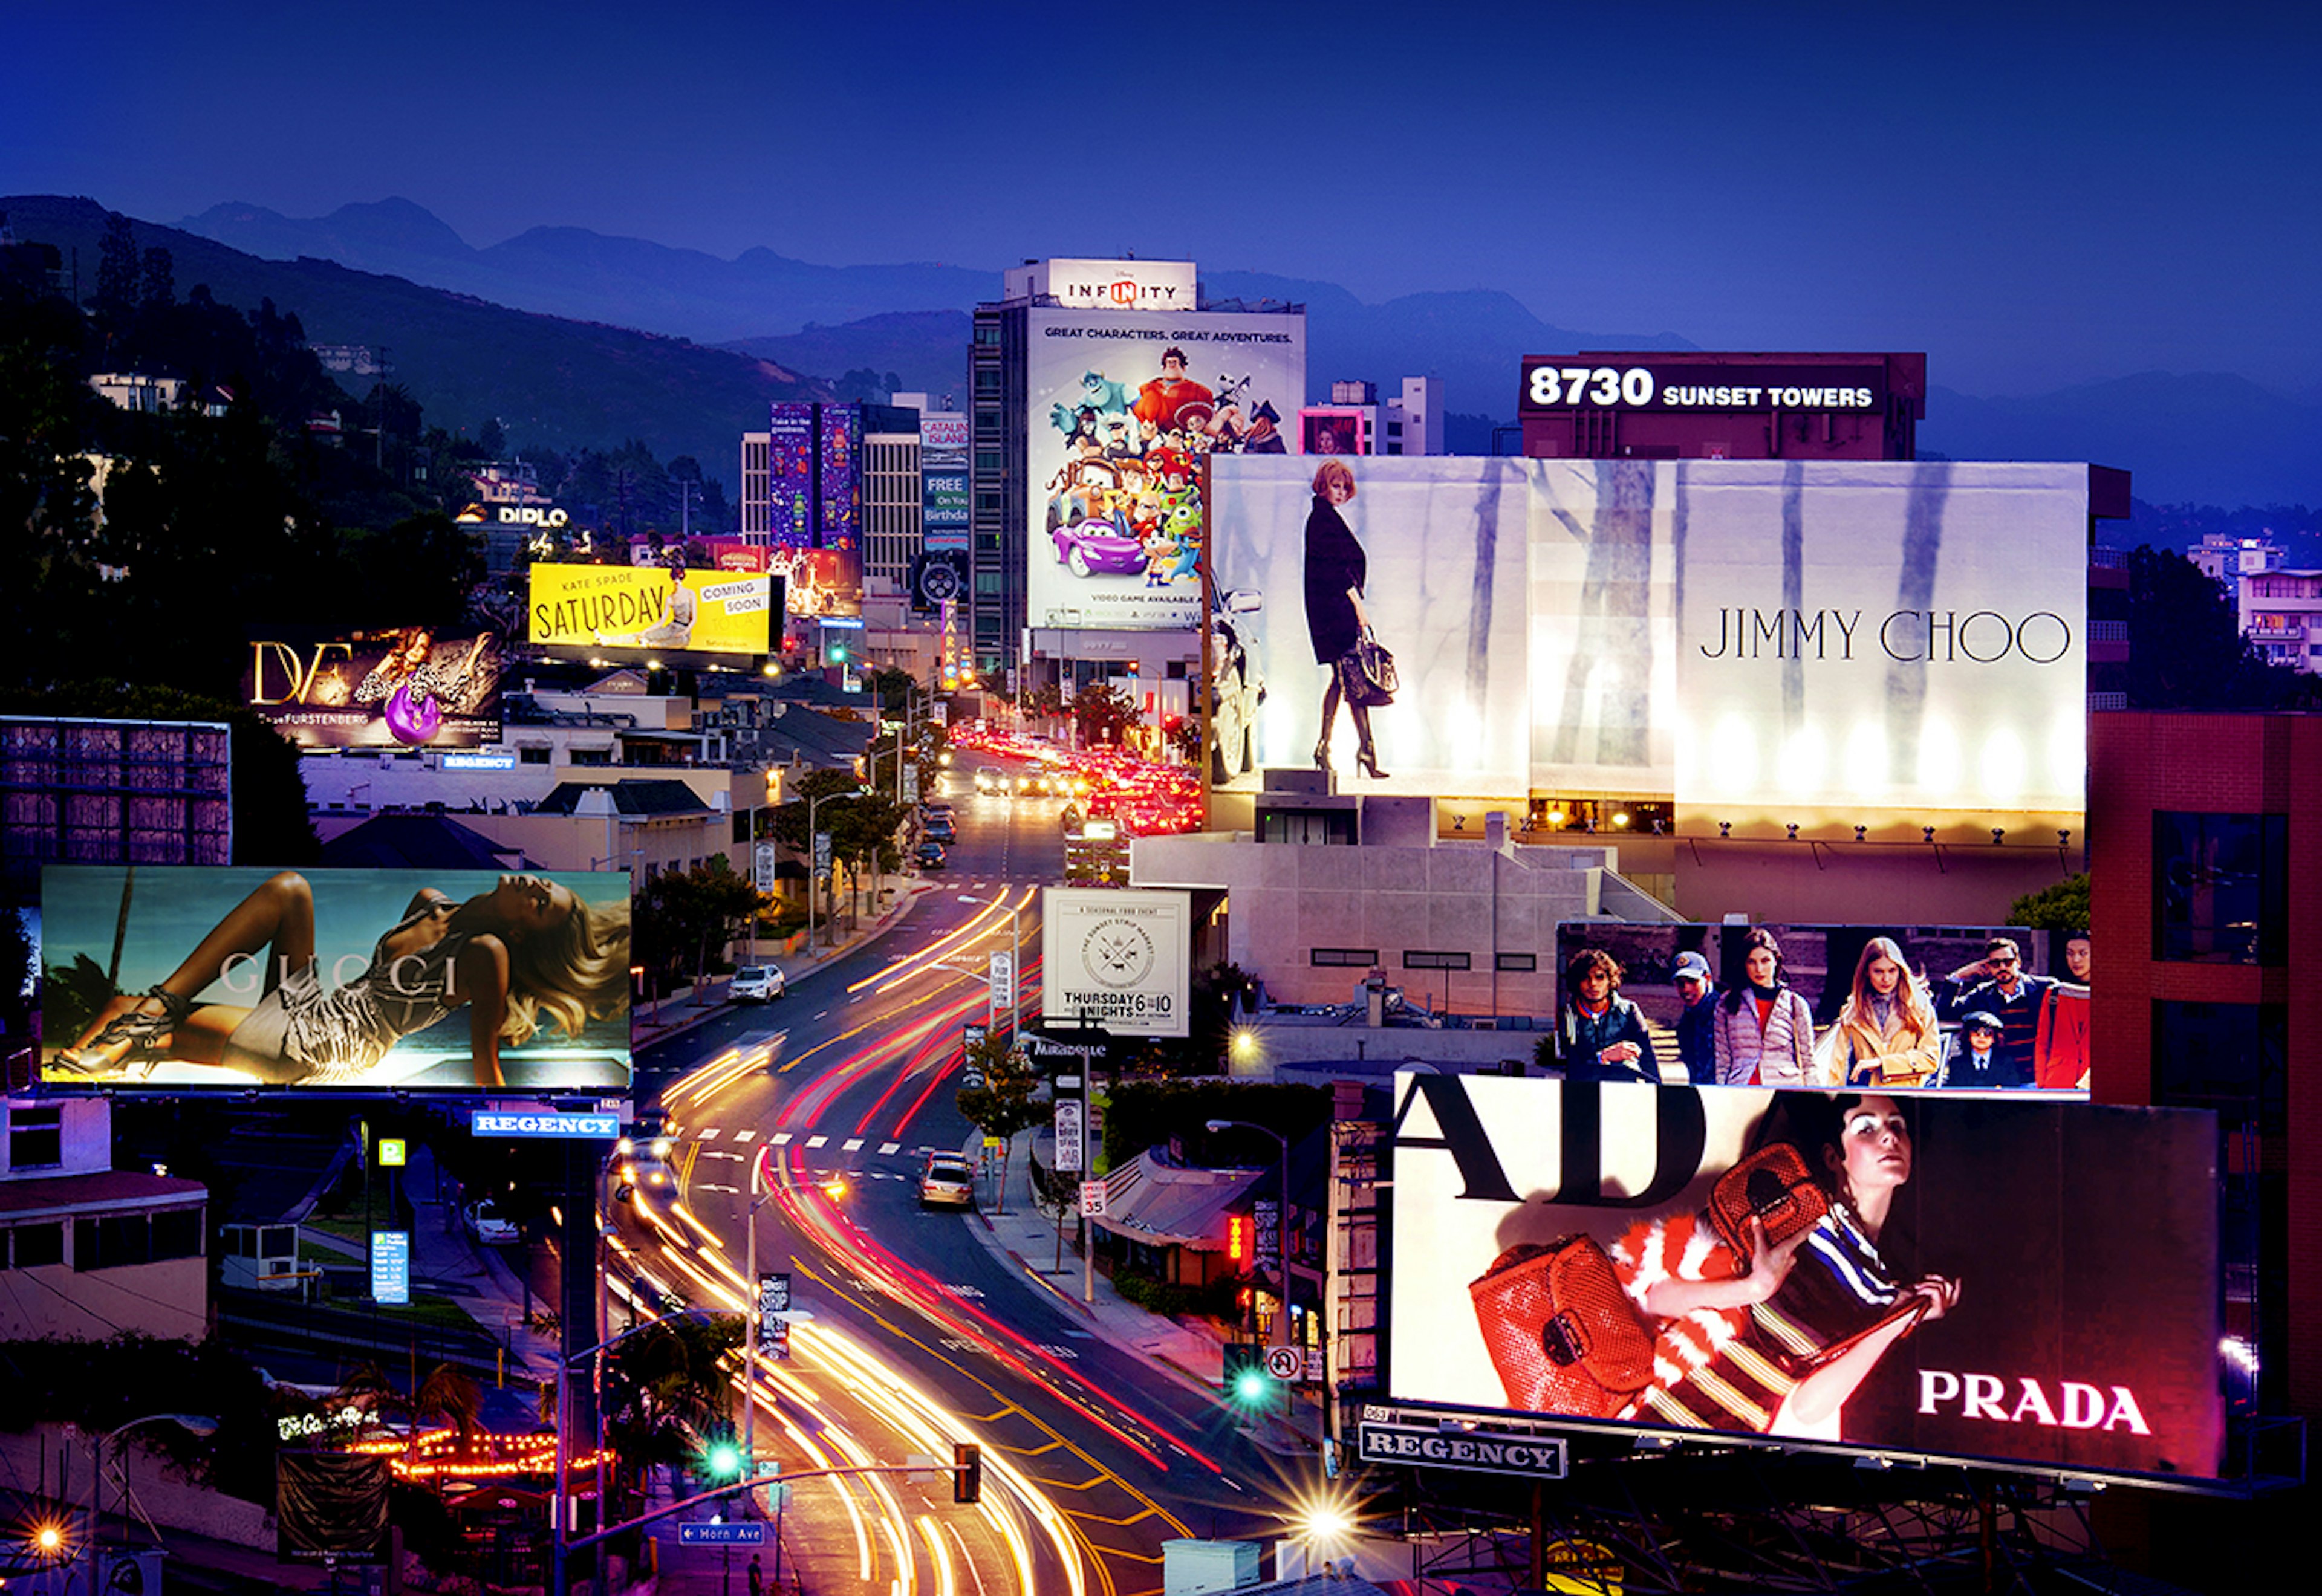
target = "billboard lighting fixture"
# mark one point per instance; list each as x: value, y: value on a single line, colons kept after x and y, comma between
x: 1998, y: 832
x: 1858, y: 832
x: 2063, y: 839
x: 1927, y: 834
x: 1726, y: 828
x: 1792, y: 828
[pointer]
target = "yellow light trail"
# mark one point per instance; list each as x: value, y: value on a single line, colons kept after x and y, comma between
x: 891, y: 978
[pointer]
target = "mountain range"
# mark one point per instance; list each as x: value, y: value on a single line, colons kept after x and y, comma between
x: 364, y: 274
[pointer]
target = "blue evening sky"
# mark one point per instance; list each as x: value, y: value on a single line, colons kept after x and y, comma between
x: 2037, y: 195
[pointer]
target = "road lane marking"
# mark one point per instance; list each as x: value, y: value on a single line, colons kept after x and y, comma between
x: 814, y: 1142
x: 781, y: 1138
x: 853, y: 1146
x: 889, y: 1149
x: 744, y: 1135
x: 705, y: 1135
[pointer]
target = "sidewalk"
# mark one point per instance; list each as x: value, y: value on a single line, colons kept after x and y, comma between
x: 1191, y: 1352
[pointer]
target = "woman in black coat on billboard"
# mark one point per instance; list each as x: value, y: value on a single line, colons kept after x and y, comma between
x: 1336, y: 570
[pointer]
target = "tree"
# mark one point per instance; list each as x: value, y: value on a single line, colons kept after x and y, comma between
x: 667, y: 1387
x: 2063, y: 907
x: 1003, y: 1105
x: 158, y: 283
x: 2186, y: 650
x: 116, y: 266
x: 683, y: 914
x: 1184, y: 737
x: 1104, y: 713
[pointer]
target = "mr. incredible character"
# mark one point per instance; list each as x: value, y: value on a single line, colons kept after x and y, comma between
x: 1160, y: 400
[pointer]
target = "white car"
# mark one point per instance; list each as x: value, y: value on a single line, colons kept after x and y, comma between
x: 488, y: 1224
x: 948, y: 1180
x: 757, y: 983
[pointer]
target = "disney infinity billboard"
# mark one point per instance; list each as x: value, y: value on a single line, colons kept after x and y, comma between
x: 1124, y: 406
x: 1932, y: 1276
x: 1826, y: 644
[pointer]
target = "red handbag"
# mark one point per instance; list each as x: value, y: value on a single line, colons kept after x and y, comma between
x: 1563, y: 1334
x: 1773, y: 1187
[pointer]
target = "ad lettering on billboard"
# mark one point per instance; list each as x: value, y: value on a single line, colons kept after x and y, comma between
x: 1826, y: 644
x: 1124, y: 406
x: 1953, y: 1277
x: 653, y: 607
x: 1570, y: 382
x: 334, y: 979
x: 1120, y: 960
x: 1890, y: 1007
x: 403, y: 688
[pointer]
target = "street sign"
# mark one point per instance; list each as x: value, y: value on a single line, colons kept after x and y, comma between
x: 1480, y: 1451
x: 1284, y: 1362
x: 721, y: 1535
x: 822, y: 853
x: 1003, y: 982
x: 763, y: 867
x: 774, y: 1308
x: 587, y: 1127
x: 910, y: 783
x: 390, y: 1153
x: 1072, y: 1136
x: 390, y: 1267
x: 1092, y: 1200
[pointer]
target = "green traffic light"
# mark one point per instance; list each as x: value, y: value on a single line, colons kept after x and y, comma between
x: 725, y: 1460
x: 1250, y: 1385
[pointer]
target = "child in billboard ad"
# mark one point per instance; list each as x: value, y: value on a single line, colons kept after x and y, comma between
x: 1876, y: 1008
x: 335, y: 979
x: 1933, y: 1275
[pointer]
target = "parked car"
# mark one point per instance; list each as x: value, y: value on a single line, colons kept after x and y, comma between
x: 757, y: 983
x: 942, y: 831
x: 488, y: 1224
x: 948, y: 1180
x: 931, y: 856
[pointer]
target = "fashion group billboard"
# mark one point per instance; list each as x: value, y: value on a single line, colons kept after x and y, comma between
x: 337, y: 979
x: 1826, y: 644
x: 653, y: 607
x: 1891, y: 1007
x: 1960, y: 1277
x: 1124, y: 405
x: 1119, y: 960
x: 405, y: 688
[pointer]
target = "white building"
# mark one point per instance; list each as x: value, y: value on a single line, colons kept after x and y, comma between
x: 2282, y: 613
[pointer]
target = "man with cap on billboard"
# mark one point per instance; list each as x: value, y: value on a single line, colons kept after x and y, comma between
x: 2003, y: 989
x: 1696, y: 1044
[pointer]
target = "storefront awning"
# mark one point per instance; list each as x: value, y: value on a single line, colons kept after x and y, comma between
x: 1153, y: 1200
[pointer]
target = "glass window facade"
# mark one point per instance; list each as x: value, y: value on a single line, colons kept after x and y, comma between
x: 2220, y: 888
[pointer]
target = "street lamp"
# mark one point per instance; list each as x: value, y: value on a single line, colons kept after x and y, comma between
x: 194, y: 1423
x: 1282, y: 1247
x: 814, y: 802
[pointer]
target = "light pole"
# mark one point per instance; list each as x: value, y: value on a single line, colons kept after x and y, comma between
x: 814, y: 802
x: 195, y: 1423
x: 1282, y: 1238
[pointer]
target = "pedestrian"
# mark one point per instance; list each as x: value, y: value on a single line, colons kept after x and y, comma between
x: 757, y: 1577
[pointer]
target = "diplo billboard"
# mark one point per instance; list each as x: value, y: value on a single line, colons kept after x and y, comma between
x: 1825, y: 644
x: 653, y: 607
x: 1937, y: 1276
x: 406, y: 689
x: 1124, y: 406
x: 334, y: 980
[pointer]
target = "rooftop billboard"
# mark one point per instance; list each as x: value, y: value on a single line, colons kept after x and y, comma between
x: 1822, y: 644
x: 1897, y: 1007
x: 1123, y: 406
x: 1953, y: 1277
x: 1118, y: 960
x: 334, y: 980
x: 648, y: 607
x: 405, y: 688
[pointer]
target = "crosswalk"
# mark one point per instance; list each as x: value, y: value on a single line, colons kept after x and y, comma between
x: 710, y: 1134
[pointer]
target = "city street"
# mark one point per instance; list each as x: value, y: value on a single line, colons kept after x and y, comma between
x: 920, y: 1334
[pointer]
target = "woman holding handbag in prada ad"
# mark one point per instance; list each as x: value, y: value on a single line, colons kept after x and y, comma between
x: 1361, y: 672
x: 1774, y: 1306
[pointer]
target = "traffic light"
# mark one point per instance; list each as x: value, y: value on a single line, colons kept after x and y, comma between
x: 967, y: 1472
x: 1246, y: 1381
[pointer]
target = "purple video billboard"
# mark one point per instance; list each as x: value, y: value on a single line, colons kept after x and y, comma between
x: 840, y: 485
x: 1941, y: 1276
x: 790, y: 475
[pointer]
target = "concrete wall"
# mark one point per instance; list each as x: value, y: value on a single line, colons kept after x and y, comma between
x: 1886, y: 883
x: 88, y: 1137
x: 1283, y: 901
x: 168, y: 1300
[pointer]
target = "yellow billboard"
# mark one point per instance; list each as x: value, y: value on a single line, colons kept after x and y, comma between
x: 654, y: 607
